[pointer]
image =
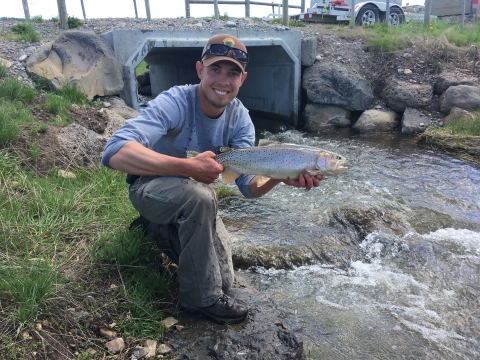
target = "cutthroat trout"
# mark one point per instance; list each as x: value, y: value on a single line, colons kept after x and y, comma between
x: 272, y: 160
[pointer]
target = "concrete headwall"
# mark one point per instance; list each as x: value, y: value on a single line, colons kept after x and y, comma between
x: 274, y: 72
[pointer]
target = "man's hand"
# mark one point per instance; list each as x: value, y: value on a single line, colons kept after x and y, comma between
x: 306, y: 181
x: 204, y: 168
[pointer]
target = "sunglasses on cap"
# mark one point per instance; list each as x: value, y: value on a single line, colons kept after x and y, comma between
x: 222, y: 50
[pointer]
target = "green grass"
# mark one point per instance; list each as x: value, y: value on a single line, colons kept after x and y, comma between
x: 25, y: 31
x: 469, y: 127
x: 60, y: 102
x: 40, y: 232
x: 141, y: 68
x: 292, y: 23
x: 392, y: 38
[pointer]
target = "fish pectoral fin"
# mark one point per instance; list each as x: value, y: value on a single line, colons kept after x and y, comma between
x: 261, y: 180
x: 313, y: 172
x: 229, y: 175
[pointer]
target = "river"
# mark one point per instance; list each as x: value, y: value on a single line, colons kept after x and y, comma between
x: 410, y: 296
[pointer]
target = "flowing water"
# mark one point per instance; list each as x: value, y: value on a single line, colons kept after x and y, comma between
x: 415, y: 296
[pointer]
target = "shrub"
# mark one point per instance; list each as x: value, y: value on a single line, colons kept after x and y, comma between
x: 73, y: 22
x: 25, y: 31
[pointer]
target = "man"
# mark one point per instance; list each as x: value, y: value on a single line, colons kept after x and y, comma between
x: 173, y: 193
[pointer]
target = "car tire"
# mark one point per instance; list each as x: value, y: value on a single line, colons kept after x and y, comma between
x: 368, y: 15
x: 396, y: 17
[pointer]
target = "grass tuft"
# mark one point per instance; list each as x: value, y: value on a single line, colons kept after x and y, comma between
x: 25, y: 31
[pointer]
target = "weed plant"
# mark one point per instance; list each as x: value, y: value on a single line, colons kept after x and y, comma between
x: 470, y: 127
x: 37, y: 19
x: 40, y: 233
x: 60, y: 102
x: 74, y: 22
x: 25, y: 31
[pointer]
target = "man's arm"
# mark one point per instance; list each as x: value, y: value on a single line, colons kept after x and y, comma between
x: 305, y: 181
x: 136, y: 159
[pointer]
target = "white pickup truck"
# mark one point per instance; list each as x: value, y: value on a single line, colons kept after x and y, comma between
x: 366, y: 13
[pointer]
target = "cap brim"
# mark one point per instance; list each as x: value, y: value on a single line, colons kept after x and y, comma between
x: 212, y: 60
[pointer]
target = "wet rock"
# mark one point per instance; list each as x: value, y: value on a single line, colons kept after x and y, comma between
x: 376, y: 121
x: 319, y: 117
x: 257, y: 338
x: 414, y: 122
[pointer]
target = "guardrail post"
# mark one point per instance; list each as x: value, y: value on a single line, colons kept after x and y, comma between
x: 187, y: 9
x: 285, y: 12
x: 62, y: 14
x: 25, y: 9
x: 247, y: 8
x: 135, y: 7
x: 147, y: 8
x: 215, y: 10
x: 83, y: 10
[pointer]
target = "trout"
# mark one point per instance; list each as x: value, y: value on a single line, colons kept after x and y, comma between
x: 273, y: 160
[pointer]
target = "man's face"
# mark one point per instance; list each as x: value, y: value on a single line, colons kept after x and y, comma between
x: 219, y: 85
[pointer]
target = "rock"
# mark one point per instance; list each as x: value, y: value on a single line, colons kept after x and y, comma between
x: 407, y: 72
x: 151, y: 346
x: 66, y: 174
x: 107, y: 333
x: 169, y: 322
x: 376, y: 121
x: 447, y: 79
x: 456, y: 114
x: 80, y: 145
x: 318, y: 117
x: 5, y: 62
x: 164, y: 349
x: 309, y: 48
x: 115, y: 345
x: 414, y: 122
x: 462, y: 96
x: 81, y: 58
x: 400, y: 94
x: 336, y: 84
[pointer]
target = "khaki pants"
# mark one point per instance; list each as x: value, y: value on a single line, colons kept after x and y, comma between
x: 184, y: 221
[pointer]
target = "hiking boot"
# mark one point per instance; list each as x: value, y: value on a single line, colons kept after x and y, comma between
x: 225, y: 310
x: 141, y: 222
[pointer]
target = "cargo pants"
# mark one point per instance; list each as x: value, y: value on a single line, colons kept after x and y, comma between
x: 186, y: 226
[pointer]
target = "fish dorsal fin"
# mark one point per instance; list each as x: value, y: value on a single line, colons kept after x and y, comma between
x: 229, y: 175
x: 221, y: 149
x: 266, y: 142
x: 261, y: 180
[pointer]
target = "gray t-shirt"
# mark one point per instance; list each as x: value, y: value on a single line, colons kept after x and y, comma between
x: 173, y: 123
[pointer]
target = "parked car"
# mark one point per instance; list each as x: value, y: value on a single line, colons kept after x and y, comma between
x: 416, y: 13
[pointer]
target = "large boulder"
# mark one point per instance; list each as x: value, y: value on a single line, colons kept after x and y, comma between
x: 414, y: 122
x: 447, y: 79
x: 334, y: 84
x: 401, y: 94
x: 462, y: 96
x: 457, y: 114
x: 376, y: 121
x: 82, y: 58
x: 318, y: 117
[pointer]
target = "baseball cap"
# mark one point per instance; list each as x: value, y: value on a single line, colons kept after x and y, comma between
x: 225, y: 47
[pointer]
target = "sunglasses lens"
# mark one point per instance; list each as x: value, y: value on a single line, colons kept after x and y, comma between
x: 219, y: 49
x: 222, y: 50
x: 240, y: 55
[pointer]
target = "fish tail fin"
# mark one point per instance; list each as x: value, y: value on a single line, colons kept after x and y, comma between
x: 229, y: 175
x: 191, y: 154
